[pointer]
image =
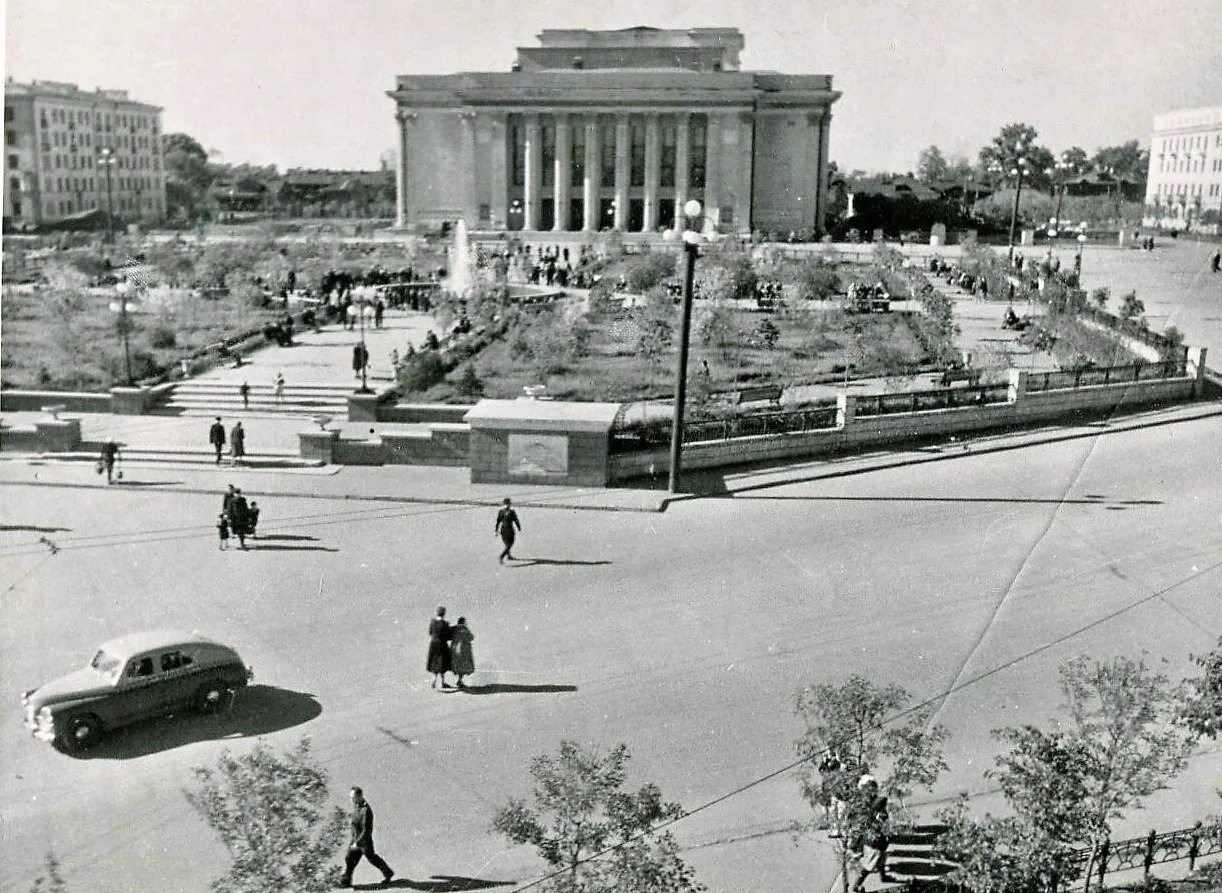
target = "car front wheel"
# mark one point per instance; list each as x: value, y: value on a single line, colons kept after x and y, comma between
x: 214, y: 697
x: 82, y: 733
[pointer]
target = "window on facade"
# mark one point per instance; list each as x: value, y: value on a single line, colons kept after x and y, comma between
x: 547, y: 137
x: 607, y: 153
x: 13, y: 161
x: 8, y: 114
x: 10, y: 137
x: 636, y: 160
x: 697, y: 151
x: 14, y: 184
x: 517, y: 152
x: 577, y: 153
x: 666, y: 152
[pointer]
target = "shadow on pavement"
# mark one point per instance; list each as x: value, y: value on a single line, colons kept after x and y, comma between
x: 130, y: 483
x: 287, y: 537
x: 507, y: 688
x: 257, y: 546
x: 258, y: 710
x: 439, y: 883
x: 527, y: 562
x: 31, y: 528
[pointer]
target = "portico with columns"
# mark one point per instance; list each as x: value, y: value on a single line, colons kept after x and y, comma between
x: 614, y: 140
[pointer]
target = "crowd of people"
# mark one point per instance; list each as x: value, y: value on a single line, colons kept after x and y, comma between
x: 237, y: 518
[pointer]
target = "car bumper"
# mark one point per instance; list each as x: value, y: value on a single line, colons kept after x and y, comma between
x: 42, y: 733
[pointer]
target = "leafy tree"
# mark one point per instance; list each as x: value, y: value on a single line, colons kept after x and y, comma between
x: 852, y: 722
x: 1131, y: 306
x: 1202, y: 709
x: 649, y: 270
x: 817, y: 280
x: 580, y: 810
x: 932, y: 166
x: 657, y: 330
x: 274, y: 814
x: 50, y: 880
x: 1128, y: 161
x: 1077, y: 160
x: 470, y: 384
x: 188, y: 174
x: 1015, y: 147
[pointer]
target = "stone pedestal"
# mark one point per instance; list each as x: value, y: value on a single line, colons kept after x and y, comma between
x: 846, y: 410
x: 129, y: 401
x: 937, y: 235
x: 363, y: 407
x: 1018, y: 385
x: 59, y: 435
x: 318, y: 446
x: 540, y: 442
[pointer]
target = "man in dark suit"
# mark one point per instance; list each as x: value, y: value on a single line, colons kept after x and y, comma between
x: 507, y: 526
x: 362, y: 841
x: 216, y: 437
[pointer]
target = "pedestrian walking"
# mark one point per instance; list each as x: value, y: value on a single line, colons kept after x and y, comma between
x: 379, y: 310
x: 360, y: 358
x: 462, y: 656
x: 279, y: 386
x: 394, y: 361
x: 875, y: 831
x: 507, y: 525
x: 438, y: 660
x: 238, y: 514
x: 361, y: 843
x: 244, y: 390
x: 222, y: 529
x: 1215, y: 262
x: 252, y: 519
x: 237, y: 441
x: 216, y: 437
x: 110, y: 455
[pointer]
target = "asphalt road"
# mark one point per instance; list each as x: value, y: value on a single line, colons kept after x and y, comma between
x: 685, y: 635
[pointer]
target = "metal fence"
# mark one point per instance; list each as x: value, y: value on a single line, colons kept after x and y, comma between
x: 1080, y: 378
x: 642, y: 436
x: 919, y: 401
x: 1153, y: 849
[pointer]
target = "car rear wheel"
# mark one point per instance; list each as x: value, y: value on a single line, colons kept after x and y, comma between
x: 214, y: 697
x: 82, y: 733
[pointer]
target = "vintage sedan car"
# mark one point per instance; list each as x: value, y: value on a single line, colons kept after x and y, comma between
x: 133, y: 677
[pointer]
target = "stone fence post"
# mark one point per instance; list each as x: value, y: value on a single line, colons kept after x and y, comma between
x: 846, y: 410
x: 1018, y: 385
x: 129, y: 401
x: 318, y: 446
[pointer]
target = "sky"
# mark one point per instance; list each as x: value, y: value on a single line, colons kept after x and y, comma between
x: 301, y: 83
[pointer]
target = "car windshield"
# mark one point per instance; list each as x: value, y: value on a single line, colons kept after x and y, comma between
x: 106, y: 664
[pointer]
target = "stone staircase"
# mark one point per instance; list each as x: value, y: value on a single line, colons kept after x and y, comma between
x: 910, y: 856
x: 206, y: 458
x: 213, y: 398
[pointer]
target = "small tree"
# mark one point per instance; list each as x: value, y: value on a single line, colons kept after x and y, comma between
x: 1202, y: 710
x: 767, y: 334
x: 1131, y: 306
x: 274, y: 814
x: 852, y: 722
x: 470, y: 384
x: 580, y: 810
x: 1100, y: 296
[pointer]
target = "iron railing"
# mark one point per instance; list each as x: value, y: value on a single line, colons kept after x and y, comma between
x: 1080, y: 378
x: 629, y: 437
x: 921, y: 401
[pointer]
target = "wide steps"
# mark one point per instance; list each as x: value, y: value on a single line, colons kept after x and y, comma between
x: 174, y: 456
x: 203, y: 398
x: 910, y: 854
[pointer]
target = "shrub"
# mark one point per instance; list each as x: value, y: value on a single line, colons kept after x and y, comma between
x: 162, y: 337
x: 817, y: 280
x: 470, y: 384
x: 649, y: 270
x: 767, y: 334
x: 423, y: 371
x: 1100, y: 296
x: 1131, y: 306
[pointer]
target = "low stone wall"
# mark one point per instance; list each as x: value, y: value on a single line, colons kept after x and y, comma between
x: 444, y: 443
x: 853, y: 433
x: 411, y: 413
x: 72, y: 401
x: 44, y: 436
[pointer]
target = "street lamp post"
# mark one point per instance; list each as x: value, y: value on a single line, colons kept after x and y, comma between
x: 1077, y: 261
x: 691, y: 250
x: 106, y: 159
x: 120, y: 307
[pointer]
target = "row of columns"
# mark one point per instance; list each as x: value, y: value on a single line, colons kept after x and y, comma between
x: 592, y: 166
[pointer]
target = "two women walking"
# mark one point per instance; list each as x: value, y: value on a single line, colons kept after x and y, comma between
x: 450, y: 650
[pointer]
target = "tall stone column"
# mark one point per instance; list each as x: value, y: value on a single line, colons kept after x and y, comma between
x: 621, y: 171
x: 683, y: 142
x: 563, y: 176
x: 825, y: 128
x: 746, y: 139
x: 498, y: 171
x: 593, y: 176
x: 533, y: 172
x: 471, y: 170
x: 651, y: 173
x: 402, y: 117
x: 712, y: 170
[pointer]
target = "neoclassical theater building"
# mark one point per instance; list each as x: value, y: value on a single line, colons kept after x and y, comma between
x: 596, y: 130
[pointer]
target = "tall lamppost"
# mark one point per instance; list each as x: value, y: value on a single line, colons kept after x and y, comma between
x: 1077, y: 261
x: 691, y: 249
x: 1020, y: 171
x: 1058, y: 172
x: 120, y: 306
x: 107, y: 159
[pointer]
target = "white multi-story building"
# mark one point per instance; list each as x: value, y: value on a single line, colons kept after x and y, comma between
x: 1184, y: 188
x: 62, y: 142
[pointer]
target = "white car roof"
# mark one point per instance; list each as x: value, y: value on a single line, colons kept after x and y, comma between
x: 150, y: 640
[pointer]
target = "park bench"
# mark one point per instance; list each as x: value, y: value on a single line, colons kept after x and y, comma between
x: 960, y: 373
x: 769, y: 393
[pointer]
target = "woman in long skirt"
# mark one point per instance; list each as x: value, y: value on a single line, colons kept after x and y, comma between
x: 462, y: 657
x: 438, y: 662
